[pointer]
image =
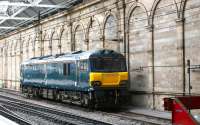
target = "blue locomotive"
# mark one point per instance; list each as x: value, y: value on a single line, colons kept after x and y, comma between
x: 92, y: 78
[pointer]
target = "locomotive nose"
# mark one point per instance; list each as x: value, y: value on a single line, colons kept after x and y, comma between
x: 109, y: 79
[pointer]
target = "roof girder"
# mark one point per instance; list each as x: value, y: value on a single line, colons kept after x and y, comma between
x: 20, y: 4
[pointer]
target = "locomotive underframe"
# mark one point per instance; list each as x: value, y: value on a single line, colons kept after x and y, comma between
x: 98, y: 97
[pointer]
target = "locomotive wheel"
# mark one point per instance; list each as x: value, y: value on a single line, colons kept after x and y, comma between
x: 29, y: 92
x: 58, y: 96
x: 35, y: 92
x: 85, y: 100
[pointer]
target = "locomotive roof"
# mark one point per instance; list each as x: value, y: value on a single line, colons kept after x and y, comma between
x: 78, y: 55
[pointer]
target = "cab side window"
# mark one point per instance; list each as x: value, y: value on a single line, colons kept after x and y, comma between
x: 84, y: 65
x: 66, y: 69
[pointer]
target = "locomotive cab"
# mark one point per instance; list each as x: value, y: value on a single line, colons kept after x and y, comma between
x: 108, y: 77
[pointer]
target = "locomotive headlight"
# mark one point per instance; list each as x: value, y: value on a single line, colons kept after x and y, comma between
x: 96, y: 83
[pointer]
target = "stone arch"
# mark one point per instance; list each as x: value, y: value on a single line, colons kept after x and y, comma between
x: 94, y: 34
x: 12, y: 66
x: 138, y: 47
x: 31, y: 46
x: 131, y: 10
x: 46, y: 39
x: 65, y: 40
x: 110, y: 32
x: 17, y: 46
x: 79, y: 37
x: 18, y: 61
x: 167, y: 54
x: 37, y: 42
x: 54, y: 42
x: 10, y: 43
x: 22, y: 48
x: 1, y: 51
x: 9, y: 64
x: 14, y: 47
x: 191, y: 18
x: 27, y: 46
x: 5, y: 68
x: 155, y: 6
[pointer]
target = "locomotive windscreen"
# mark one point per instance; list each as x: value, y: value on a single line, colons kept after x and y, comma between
x: 108, y: 65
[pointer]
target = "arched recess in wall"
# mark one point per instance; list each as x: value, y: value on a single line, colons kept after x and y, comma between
x: 46, y: 39
x: 65, y: 40
x: 37, y: 41
x: 33, y: 44
x: 18, y: 62
x: 192, y: 39
x: 14, y: 63
x: 111, y: 39
x: 167, y: 54
x: 55, y: 42
x: 24, y: 53
x: 30, y: 47
x: 138, y: 49
x: 4, y: 64
x: 94, y: 35
x: 1, y: 65
x: 9, y: 64
x: 6, y: 54
x: 12, y: 66
x: 27, y: 47
x: 79, y: 38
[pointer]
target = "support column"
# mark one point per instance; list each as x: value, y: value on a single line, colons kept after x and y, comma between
x: 151, y: 62
x: 15, y: 69
x: 181, y: 49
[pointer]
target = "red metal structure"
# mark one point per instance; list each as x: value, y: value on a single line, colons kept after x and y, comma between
x: 180, y: 107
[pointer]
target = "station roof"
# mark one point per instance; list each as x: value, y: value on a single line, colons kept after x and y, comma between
x: 15, y: 14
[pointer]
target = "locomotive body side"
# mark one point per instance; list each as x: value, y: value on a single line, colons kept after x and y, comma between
x: 90, y: 78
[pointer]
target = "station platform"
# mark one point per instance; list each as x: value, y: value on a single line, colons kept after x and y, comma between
x: 149, y: 112
x: 5, y: 121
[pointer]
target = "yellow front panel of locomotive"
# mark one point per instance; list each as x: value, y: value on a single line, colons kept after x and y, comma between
x: 109, y: 79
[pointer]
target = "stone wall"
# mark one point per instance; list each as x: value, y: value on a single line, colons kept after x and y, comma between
x: 157, y: 37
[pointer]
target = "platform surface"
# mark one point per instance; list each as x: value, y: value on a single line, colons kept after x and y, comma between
x: 149, y: 112
x: 5, y: 121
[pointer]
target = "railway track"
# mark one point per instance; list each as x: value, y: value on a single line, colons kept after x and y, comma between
x: 141, y: 119
x: 55, y: 116
x: 12, y: 116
